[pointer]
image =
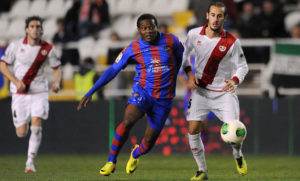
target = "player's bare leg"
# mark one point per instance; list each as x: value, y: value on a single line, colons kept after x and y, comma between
x: 197, y: 149
x: 34, y: 143
x: 132, y: 114
x: 148, y: 142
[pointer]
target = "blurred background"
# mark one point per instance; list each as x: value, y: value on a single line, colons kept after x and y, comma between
x: 89, y: 34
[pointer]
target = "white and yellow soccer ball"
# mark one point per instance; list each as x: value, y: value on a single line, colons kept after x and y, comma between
x: 233, y: 132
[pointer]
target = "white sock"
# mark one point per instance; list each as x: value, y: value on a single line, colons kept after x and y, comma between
x: 34, y: 142
x: 237, y: 151
x: 197, y: 149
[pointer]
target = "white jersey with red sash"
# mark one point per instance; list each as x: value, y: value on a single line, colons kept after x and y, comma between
x: 217, y: 59
x: 29, y: 64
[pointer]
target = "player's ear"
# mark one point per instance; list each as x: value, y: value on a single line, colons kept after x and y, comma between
x: 206, y: 15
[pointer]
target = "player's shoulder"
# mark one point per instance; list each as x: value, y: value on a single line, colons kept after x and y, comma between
x: 231, y: 36
x: 195, y: 31
x: 17, y: 42
x: 46, y: 43
x: 234, y: 40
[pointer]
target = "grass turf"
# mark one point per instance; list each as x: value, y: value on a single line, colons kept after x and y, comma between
x: 152, y: 168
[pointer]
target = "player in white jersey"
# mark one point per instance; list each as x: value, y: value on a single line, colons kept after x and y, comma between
x: 220, y: 66
x: 29, y: 86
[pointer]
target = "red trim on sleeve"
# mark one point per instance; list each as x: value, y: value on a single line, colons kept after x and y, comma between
x: 5, y: 62
x: 56, y: 67
x: 235, y: 80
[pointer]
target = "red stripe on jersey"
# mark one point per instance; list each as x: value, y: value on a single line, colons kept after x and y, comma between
x: 37, y: 63
x: 139, y: 58
x: 215, y: 58
x: 156, y: 61
x: 170, y: 44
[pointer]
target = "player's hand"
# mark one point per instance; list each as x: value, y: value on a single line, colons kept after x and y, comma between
x: 84, y: 101
x: 55, y: 87
x: 193, y: 82
x: 229, y: 86
x: 20, y: 85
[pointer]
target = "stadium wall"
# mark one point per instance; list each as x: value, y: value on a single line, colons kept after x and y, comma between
x: 272, y: 128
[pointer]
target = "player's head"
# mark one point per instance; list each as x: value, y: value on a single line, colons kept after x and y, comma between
x: 216, y: 15
x: 147, y: 27
x: 34, y: 27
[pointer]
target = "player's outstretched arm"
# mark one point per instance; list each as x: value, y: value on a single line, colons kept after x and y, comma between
x: 107, y: 76
x: 84, y: 101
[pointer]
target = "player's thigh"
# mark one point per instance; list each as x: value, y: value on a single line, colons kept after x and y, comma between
x: 131, y: 115
x: 226, y: 107
x: 20, y: 107
x: 198, y: 107
x: 40, y: 105
x: 158, y: 115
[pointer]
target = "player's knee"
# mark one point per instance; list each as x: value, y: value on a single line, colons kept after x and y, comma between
x: 36, y: 129
x: 127, y: 123
x: 193, y: 130
x: 22, y: 133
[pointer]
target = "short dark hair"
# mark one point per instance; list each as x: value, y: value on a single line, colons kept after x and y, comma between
x: 33, y: 18
x: 146, y: 16
x: 218, y: 4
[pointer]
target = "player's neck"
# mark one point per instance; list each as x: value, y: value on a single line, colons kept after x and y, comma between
x: 33, y: 42
x: 212, y: 34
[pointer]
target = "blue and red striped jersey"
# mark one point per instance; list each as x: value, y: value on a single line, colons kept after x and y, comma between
x: 157, y: 64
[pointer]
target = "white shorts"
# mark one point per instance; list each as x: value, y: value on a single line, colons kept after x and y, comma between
x: 26, y: 106
x: 224, y: 105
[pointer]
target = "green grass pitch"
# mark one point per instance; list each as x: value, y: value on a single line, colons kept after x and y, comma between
x: 152, y: 168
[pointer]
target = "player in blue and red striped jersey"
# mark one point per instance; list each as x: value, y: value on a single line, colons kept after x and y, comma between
x: 158, y: 57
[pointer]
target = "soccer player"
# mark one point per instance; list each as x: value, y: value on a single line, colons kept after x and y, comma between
x: 29, y: 86
x: 158, y: 57
x: 220, y: 67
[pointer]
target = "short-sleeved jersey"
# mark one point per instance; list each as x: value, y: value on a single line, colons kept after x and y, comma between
x: 157, y: 64
x: 217, y: 59
x: 28, y: 63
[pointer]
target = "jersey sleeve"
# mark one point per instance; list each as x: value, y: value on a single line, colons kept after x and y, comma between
x: 54, y: 61
x: 9, y: 55
x: 122, y: 59
x: 187, y: 52
x: 178, y: 51
x: 240, y: 63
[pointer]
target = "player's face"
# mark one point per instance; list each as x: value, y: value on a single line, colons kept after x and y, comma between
x: 34, y: 30
x: 148, y: 30
x: 215, y: 18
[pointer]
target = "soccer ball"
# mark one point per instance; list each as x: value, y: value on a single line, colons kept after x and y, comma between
x: 233, y: 132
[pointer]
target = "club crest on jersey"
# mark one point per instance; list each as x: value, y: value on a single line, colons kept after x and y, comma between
x: 119, y: 57
x: 44, y: 52
x: 199, y: 42
x: 167, y: 48
x: 222, y: 48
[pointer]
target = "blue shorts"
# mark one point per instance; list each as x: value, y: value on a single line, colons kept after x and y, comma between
x: 157, y: 110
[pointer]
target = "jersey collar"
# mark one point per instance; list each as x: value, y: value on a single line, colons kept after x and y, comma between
x: 222, y: 35
x: 25, y: 41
